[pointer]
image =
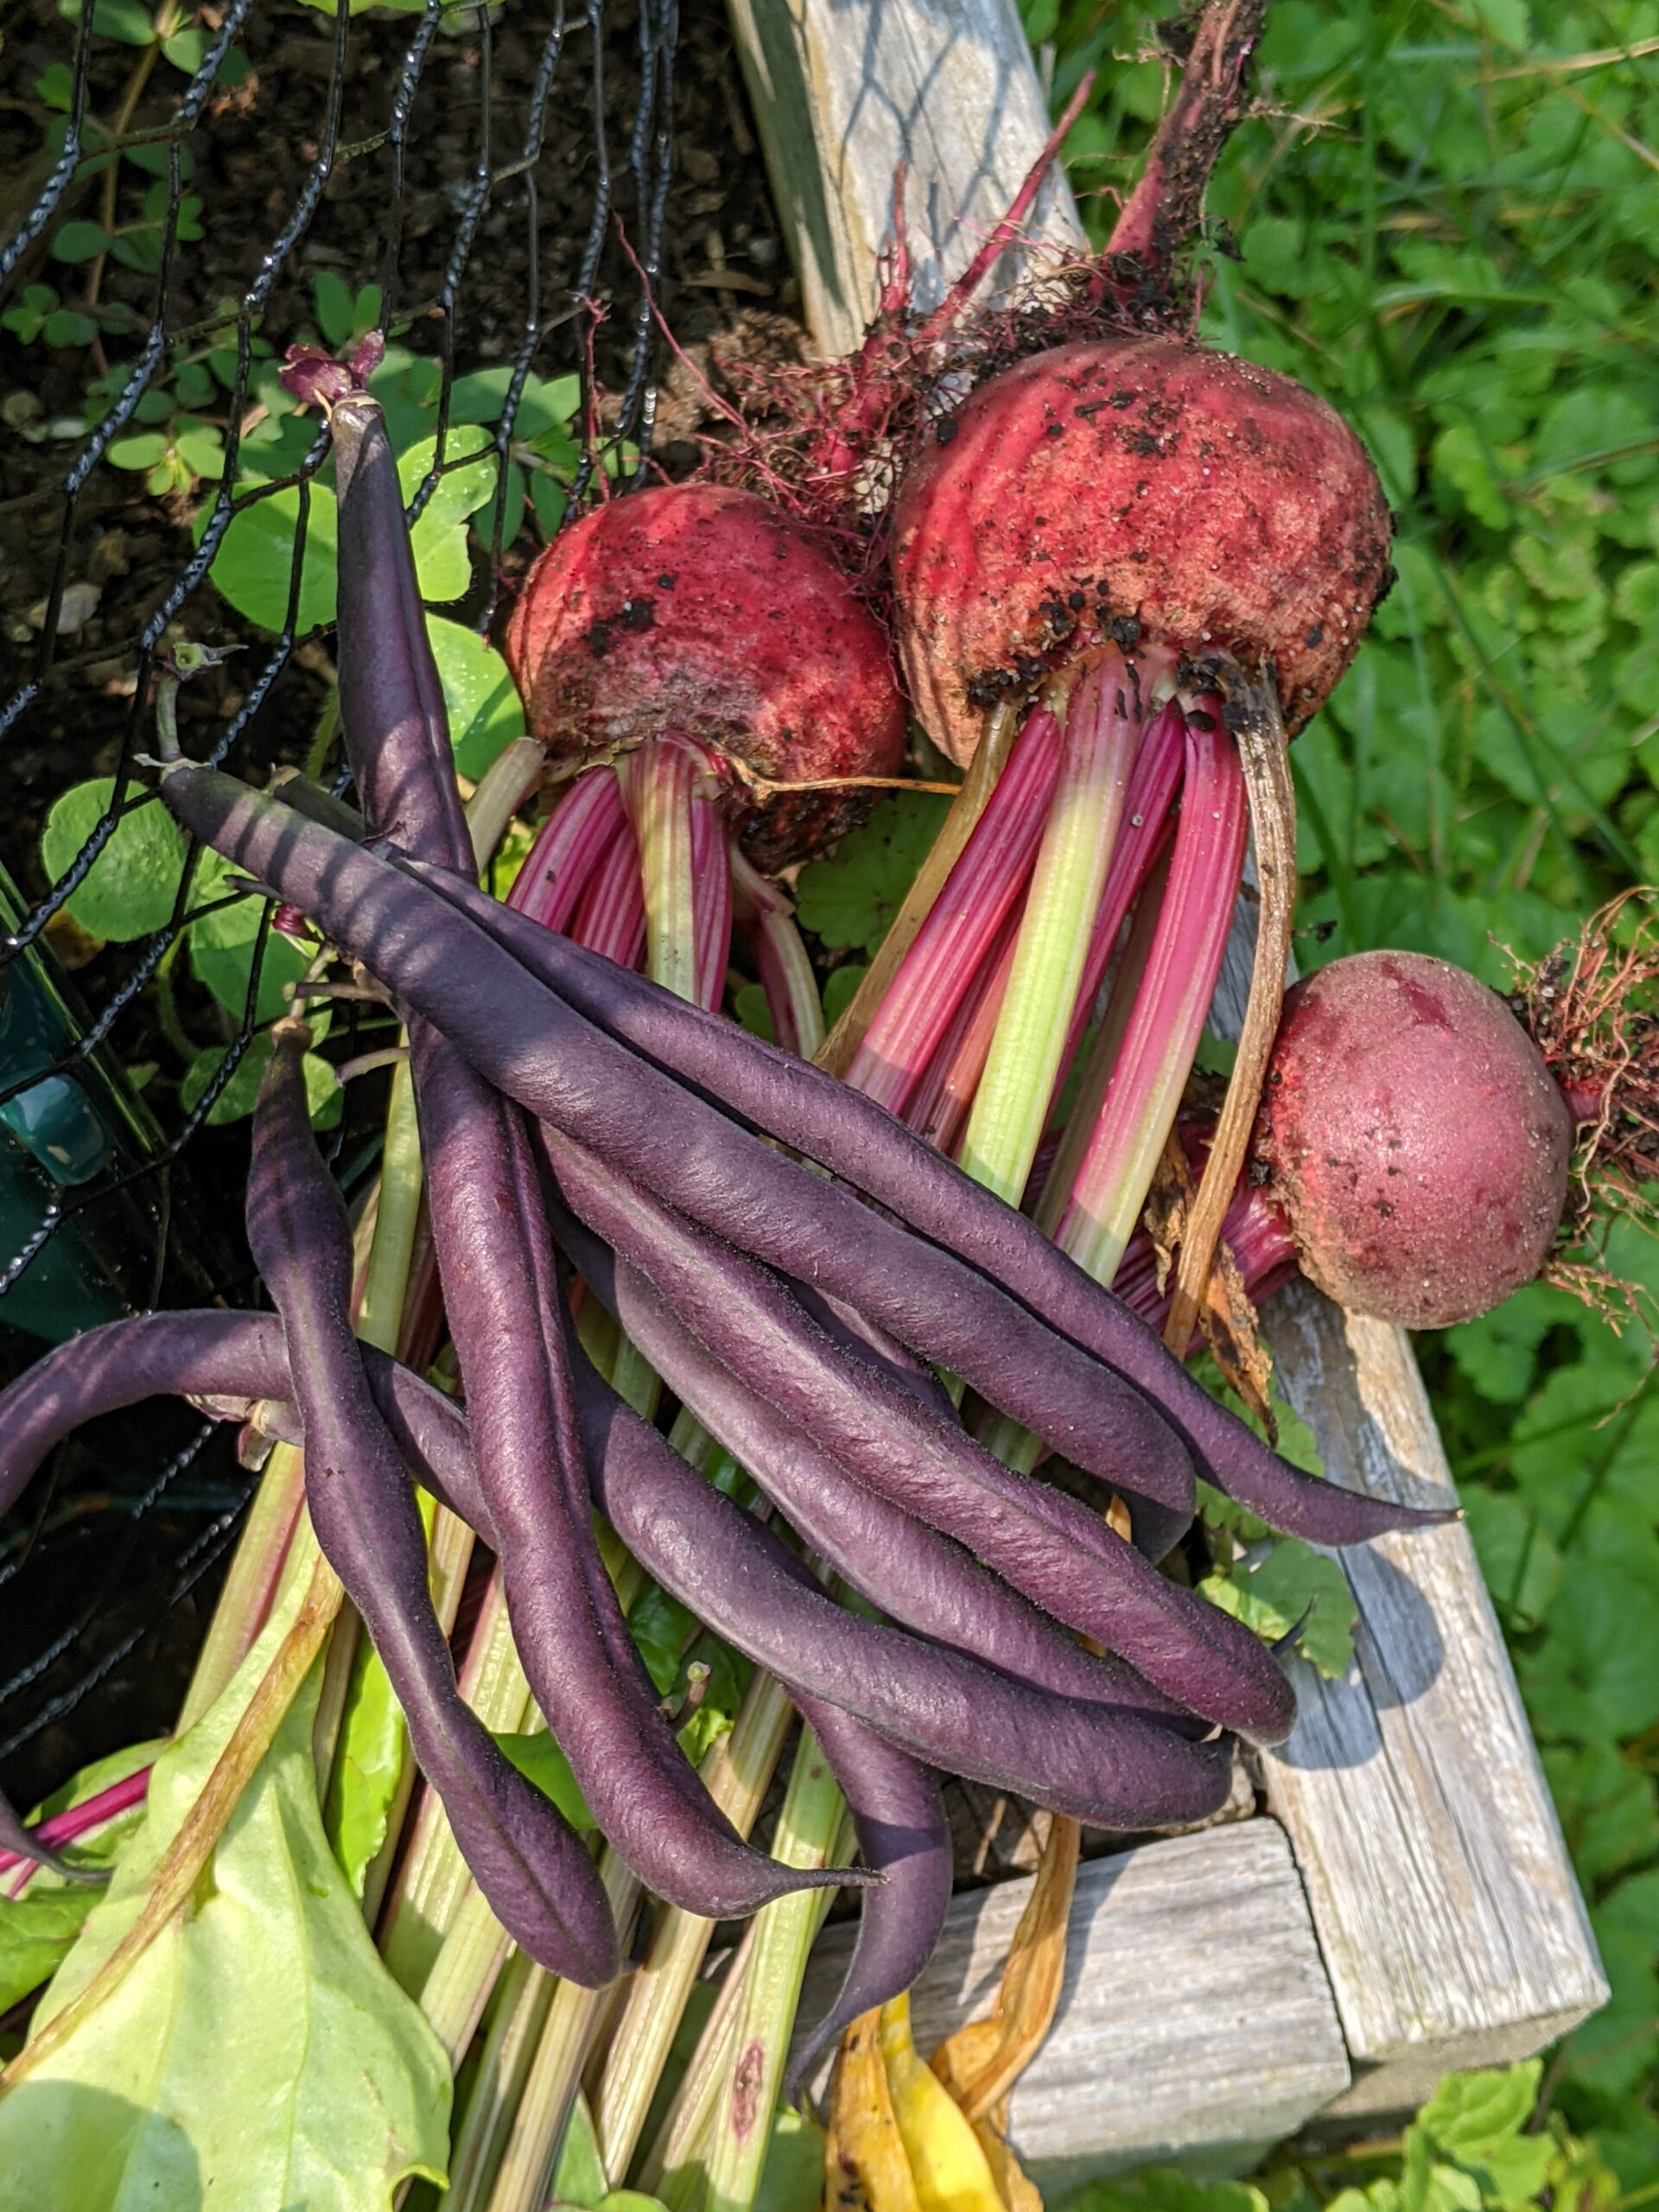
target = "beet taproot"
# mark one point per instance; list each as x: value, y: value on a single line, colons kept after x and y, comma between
x: 1144, y: 490
x: 1415, y: 1138
x: 699, y: 612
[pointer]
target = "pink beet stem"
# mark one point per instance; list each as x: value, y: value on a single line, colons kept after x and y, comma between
x: 1153, y: 1064
x: 1008, y: 230
x: 610, y: 919
x: 711, y: 897
x: 939, y: 1111
x: 571, y: 843
x: 78, y: 1821
x: 1145, y: 830
x: 957, y: 935
x: 1162, y: 209
x: 1254, y: 1231
x: 1102, y: 740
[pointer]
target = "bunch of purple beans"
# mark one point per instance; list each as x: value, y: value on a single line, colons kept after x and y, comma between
x: 796, y: 1265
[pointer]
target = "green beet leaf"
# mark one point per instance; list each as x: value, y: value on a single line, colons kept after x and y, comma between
x: 255, y: 2054
x: 133, y: 883
x: 37, y: 1929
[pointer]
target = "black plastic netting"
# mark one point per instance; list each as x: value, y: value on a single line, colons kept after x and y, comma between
x: 194, y: 189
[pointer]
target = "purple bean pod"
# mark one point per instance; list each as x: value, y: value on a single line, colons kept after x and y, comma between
x: 535, y: 1873
x: 923, y: 1580
x: 531, y: 1045
x: 392, y: 704
x: 120, y: 1364
x: 1047, y: 1545
x: 497, y: 1271
x: 904, y: 1836
x: 1110, y: 1769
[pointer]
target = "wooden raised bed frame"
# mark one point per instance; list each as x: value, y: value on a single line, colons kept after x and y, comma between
x: 1406, y: 1905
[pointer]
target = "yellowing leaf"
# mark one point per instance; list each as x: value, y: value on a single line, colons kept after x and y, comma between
x: 947, y: 2162
x: 980, y: 2064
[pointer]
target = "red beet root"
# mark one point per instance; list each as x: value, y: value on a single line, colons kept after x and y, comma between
x: 1139, y: 489
x: 1414, y: 1137
x: 698, y: 611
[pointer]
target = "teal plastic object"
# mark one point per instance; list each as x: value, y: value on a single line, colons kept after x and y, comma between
x: 69, y: 1142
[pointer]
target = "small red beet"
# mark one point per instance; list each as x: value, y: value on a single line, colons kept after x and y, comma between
x: 1415, y: 1138
x: 700, y: 612
x: 1143, y: 482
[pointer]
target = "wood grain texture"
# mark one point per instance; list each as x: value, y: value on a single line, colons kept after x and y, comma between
x: 1196, y: 2020
x: 1451, y: 1924
x: 845, y: 94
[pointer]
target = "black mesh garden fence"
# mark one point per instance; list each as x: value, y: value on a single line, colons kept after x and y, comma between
x: 193, y: 189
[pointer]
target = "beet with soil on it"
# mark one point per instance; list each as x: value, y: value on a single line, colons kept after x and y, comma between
x: 1138, y: 490
x: 697, y: 611
x: 694, y: 658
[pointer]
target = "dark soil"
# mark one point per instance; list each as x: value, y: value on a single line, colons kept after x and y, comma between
x: 80, y: 1553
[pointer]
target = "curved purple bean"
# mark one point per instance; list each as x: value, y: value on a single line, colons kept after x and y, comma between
x: 118, y: 1363
x: 1059, y: 1555
x: 904, y: 1837
x: 537, y: 1876
x: 534, y: 1047
x: 798, y: 1105
x: 1111, y: 1770
x: 499, y: 1286
x: 922, y: 1579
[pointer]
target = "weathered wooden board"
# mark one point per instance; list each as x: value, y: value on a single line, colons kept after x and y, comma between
x: 1450, y: 1925
x: 1196, y: 2021
x: 846, y: 96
